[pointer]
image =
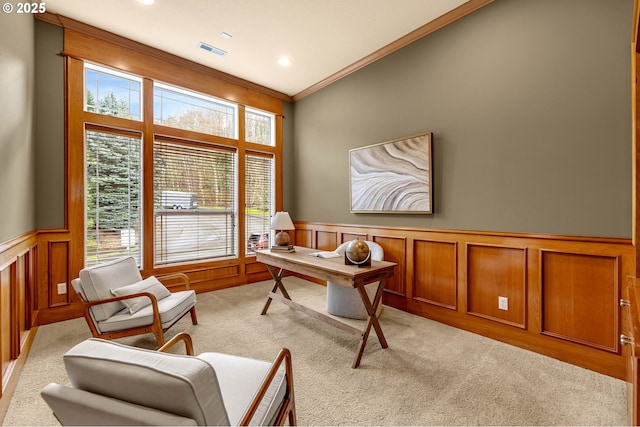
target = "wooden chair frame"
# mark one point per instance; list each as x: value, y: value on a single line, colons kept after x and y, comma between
x: 287, y: 410
x: 155, y: 327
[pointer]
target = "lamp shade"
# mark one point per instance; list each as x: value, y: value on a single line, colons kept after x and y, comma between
x: 282, y: 221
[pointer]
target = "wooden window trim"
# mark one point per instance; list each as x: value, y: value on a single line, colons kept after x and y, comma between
x: 81, y: 47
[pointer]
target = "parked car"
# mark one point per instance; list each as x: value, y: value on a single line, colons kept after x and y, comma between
x: 179, y: 200
x: 258, y: 241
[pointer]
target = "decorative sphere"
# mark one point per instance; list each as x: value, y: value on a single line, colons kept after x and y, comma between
x: 358, y: 252
x: 282, y: 238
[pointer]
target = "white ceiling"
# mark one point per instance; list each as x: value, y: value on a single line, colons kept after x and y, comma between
x: 321, y: 36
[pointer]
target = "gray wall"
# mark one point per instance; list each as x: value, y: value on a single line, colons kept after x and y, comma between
x: 287, y: 157
x: 530, y: 106
x: 49, y: 132
x: 17, y: 213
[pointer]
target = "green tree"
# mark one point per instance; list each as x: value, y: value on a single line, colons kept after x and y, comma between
x: 91, y: 102
x: 113, y: 171
x: 113, y: 181
x: 111, y: 106
x: 206, y: 121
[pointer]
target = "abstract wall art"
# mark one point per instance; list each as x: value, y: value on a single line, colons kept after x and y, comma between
x: 393, y: 176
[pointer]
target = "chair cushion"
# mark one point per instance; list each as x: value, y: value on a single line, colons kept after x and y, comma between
x: 182, y: 385
x: 239, y: 379
x: 98, y: 280
x: 171, y: 308
x: 77, y: 286
x: 150, y: 284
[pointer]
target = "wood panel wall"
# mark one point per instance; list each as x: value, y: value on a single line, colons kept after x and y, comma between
x: 17, y: 289
x: 56, y: 267
x: 562, y: 292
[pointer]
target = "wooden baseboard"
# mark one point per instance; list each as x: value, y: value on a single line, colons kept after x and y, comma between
x: 13, y: 374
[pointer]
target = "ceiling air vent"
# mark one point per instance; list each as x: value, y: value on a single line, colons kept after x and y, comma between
x: 212, y: 49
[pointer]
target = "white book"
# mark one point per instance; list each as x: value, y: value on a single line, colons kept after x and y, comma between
x: 326, y: 254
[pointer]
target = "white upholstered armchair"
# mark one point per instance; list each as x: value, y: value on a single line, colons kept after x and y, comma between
x: 118, y: 302
x: 115, y: 384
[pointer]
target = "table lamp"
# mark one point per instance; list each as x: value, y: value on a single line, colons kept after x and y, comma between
x: 282, y: 221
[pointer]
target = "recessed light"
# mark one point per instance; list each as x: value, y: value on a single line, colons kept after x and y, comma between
x: 146, y: 1
x: 226, y: 35
x: 284, y: 61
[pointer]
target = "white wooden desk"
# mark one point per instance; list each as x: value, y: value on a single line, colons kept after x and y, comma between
x: 334, y: 270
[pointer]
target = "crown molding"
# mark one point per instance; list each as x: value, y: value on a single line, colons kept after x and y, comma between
x: 438, y: 23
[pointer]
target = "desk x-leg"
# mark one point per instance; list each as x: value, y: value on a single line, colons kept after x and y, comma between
x: 371, y: 307
x: 277, y: 276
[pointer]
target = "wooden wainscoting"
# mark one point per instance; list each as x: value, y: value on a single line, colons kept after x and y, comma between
x: 562, y: 293
x: 17, y: 288
x: 495, y: 272
x: 60, y: 260
x: 569, y: 278
x: 435, y: 274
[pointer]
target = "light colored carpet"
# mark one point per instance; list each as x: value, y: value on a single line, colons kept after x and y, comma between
x: 431, y: 374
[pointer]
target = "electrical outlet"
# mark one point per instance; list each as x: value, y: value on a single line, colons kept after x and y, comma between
x: 503, y: 303
x: 62, y: 288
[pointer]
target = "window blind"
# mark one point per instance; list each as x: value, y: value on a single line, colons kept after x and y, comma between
x: 259, y: 199
x: 194, y: 202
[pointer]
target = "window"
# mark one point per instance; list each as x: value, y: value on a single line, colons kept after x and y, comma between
x: 259, y: 127
x: 164, y: 185
x: 112, y: 93
x: 194, y: 202
x: 113, y: 204
x: 190, y: 110
x: 259, y: 196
